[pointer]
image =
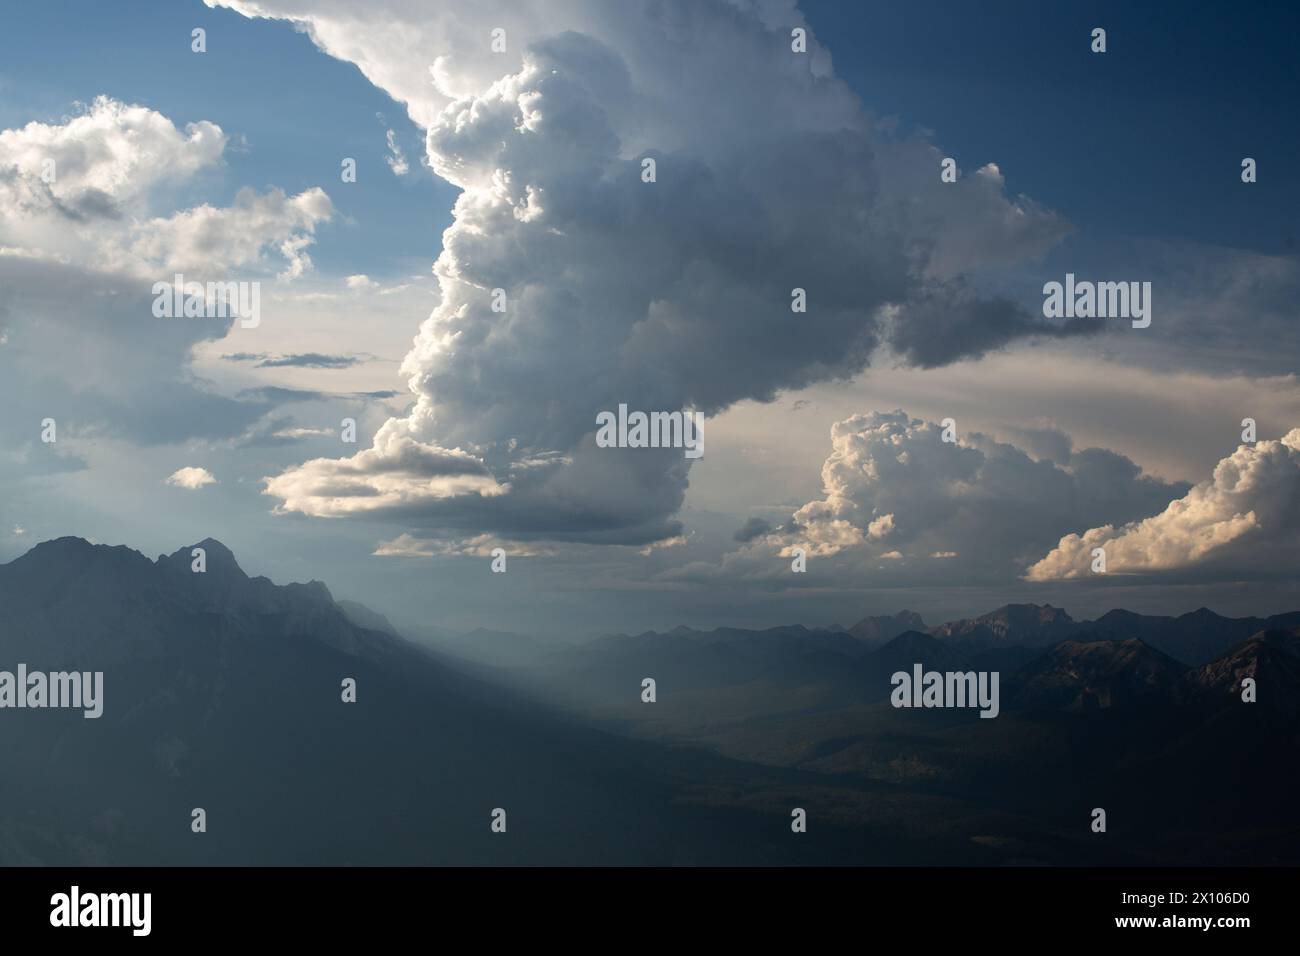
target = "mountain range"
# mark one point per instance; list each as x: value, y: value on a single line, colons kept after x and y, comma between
x: 223, y: 692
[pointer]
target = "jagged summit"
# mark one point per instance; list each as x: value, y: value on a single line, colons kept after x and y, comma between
x: 71, y: 547
x: 233, y: 692
x: 119, y: 587
x: 886, y: 626
x: 70, y: 553
x: 217, y: 556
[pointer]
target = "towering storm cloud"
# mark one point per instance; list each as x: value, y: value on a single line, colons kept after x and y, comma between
x: 644, y: 188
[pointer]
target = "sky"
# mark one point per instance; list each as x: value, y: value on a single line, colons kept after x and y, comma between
x: 517, y: 161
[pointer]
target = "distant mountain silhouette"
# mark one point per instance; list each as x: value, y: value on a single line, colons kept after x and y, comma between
x: 1272, y: 658
x: 1012, y: 624
x: 223, y: 692
x: 913, y: 647
x: 1075, y: 675
x: 1194, y: 638
x: 362, y: 616
x: 1080, y: 664
x: 877, y: 630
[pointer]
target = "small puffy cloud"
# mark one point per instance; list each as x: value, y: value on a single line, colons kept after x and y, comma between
x: 396, y: 159
x: 216, y: 239
x: 105, y: 161
x: 397, y: 474
x: 1244, y: 519
x: 191, y: 479
x: 358, y: 283
x: 83, y: 192
x: 881, y: 528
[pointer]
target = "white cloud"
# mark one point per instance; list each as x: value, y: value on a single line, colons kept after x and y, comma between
x: 662, y: 295
x: 107, y: 160
x: 893, y: 490
x: 397, y: 473
x: 1245, y: 518
x: 81, y: 250
x: 360, y: 283
x: 112, y: 164
x: 191, y: 478
x: 220, y: 239
x: 396, y: 159
x: 407, y: 545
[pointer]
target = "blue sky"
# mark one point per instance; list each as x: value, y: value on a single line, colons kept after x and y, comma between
x: 299, y: 111
x: 1182, y: 94
x: 1144, y: 140
x: 1121, y: 166
x: 1184, y: 91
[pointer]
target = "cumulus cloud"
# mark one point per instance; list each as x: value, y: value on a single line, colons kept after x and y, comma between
x: 191, y: 478
x: 664, y: 295
x: 83, y: 241
x: 220, y: 239
x: 903, y: 506
x: 1244, y: 519
x: 396, y: 474
x: 101, y: 163
x: 82, y: 192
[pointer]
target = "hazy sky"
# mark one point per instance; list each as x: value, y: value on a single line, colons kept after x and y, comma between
x: 521, y: 168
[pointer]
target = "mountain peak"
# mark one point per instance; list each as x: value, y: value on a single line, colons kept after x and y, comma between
x: 73, y: 552
x: 217, y: 557
x: 67, y: 545
x: 1042, y: 612
x: 886, y: 626
x: 1012, y: 623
